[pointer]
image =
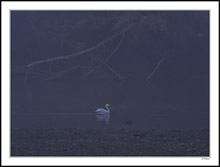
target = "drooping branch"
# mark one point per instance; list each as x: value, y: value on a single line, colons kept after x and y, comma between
x: 106, y: 60
x: 59, y: 74
x: 114, y: 72
x: 26, y: 75
x: 117, y: 47
x: 86, y: 74
x: 155, y: 69
x: 81, y: 52
x: 27, y: 67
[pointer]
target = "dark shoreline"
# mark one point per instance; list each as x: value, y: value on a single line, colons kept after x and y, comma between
x: 109, y: 142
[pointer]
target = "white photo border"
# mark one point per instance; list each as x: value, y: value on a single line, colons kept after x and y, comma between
x: 211, y: 6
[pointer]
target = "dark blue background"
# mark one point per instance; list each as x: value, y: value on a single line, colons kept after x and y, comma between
x: 177, y: 96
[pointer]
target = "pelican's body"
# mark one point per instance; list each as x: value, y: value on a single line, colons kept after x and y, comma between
x: 103, y: 111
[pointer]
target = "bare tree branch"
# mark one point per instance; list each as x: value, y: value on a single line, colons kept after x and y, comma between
x: 123, y: 31
x: 117, y: 47
x: 86, y: 74
x: 106, y: 60
x: 59, y: 74
x: 26, y: 76
x: 81, y: 52
x: 118, y: 75
x: 155, y: 69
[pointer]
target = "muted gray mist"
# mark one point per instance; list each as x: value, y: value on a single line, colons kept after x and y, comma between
x: 151, y: 67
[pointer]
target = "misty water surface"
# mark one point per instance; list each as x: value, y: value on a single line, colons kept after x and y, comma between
x: 175, y: 97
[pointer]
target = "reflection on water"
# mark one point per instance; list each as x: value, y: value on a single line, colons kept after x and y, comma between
x: 154, y: 120
x: 73, y: 106
x: 103, y: 117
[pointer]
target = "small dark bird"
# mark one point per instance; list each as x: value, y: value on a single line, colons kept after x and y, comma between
x: 127, y: 122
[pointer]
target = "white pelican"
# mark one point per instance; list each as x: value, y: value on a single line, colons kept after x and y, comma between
x: 104, y: 111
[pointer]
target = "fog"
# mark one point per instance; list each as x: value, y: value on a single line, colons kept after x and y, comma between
x: 151, y: 67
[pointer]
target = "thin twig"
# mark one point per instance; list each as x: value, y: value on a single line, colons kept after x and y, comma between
x: 59, y: 74
x: 26, y: 76
x: 86, y: 74
x: 117, y: 47
x: 106, y: 60
x: 155, y: 69
x: 118, y: 75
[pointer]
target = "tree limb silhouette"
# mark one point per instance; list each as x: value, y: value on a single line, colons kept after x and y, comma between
x: 155, y: 69
x: 73, y: 55
x: 106, y: 60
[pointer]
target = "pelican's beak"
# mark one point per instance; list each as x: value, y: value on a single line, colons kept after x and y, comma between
x: 110, y: 107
